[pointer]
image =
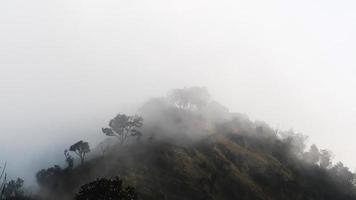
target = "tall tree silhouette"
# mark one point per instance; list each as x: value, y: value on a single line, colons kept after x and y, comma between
x: 123, y: 126
x: 81, y: 149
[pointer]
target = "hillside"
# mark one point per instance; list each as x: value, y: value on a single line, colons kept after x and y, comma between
x: 208, y: 154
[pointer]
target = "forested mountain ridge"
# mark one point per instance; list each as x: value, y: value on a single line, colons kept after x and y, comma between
x: 220, y: 166
x: 187, y: 146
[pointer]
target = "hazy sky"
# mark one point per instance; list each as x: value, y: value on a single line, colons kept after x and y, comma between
x: 68, y: 66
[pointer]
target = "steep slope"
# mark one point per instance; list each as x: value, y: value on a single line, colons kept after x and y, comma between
x: 193, y: 148
x: 218, y: 167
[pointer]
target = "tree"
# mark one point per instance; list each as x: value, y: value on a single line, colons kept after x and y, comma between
x: 48, y: 177
x: 325, y: 158
x: 342, y: 173
x: 14, y: 189
x: 104, y: 146
x: 123, y: 126
x: 313, y: 155
x: 189, y: 98
x: 106, y: 189
x: 81, y: 149
x: 69, y: 159
x: 295, y: 141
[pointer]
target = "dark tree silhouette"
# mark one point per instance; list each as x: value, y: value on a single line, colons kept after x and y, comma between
x: 342, y: 173
x: 123, y: 126
x: 47, y: 177
x: 81, y: 149
x: 106, y: 189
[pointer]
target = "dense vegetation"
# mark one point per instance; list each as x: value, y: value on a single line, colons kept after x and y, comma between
x: 104, y: 189
x: 187, y: 146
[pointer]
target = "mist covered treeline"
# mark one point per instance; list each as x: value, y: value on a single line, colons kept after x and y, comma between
x: 185, y: 145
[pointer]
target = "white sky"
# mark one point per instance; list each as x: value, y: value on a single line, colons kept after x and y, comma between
x: 67, y: 66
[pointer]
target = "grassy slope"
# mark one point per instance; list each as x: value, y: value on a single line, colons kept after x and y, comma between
x: 218, y: 167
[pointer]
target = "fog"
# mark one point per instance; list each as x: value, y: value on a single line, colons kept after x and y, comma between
x: 68, y: 67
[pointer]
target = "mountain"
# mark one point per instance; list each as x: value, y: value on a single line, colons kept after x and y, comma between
x: 200, y: 151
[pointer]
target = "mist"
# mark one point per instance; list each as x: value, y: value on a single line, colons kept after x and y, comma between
x: 67, y: 67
